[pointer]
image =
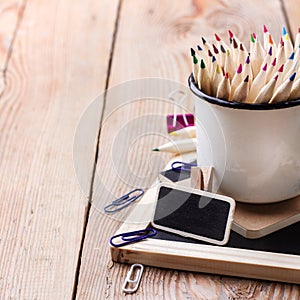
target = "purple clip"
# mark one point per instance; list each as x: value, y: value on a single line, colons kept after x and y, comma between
x: 132, y: 236
x: 182, y: 166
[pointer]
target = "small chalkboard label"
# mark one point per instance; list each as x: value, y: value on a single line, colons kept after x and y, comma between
x: 193, y: 213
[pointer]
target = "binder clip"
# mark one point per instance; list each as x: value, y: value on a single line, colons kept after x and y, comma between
x: 123, y: 201
x: 131, y: 285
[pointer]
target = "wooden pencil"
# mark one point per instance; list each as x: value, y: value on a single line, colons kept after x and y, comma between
x: 258, y: 82
x: 284, y: 90
x: 266, y: 92
x: 236, y: 80
x: 195, y: 65
x: 295, y: 92
x: 241, y: 92
x: 204, y: 78
x: 223, y: 90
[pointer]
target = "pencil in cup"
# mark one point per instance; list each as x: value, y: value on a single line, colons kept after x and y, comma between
x: 232, y: 67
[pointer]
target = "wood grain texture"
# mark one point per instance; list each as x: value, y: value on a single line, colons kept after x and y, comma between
x: 292, y: 9
x: 58, y: 65
x: 10, y: 15
x: 153, y: 39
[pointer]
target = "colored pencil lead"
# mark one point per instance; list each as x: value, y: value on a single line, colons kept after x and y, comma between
x: 248, y: 60
x: 215, y: 49
x: 252, y: 38
x: 203, y: 40
x: 199, y: 48
x: 284, y: 32
x: 217, y: 37
x: 222, y: 49
x: 193, y: 53
x: 209, y: 53
x: 235, y: 45
x: 292, y: 56
x: 195, y: 60
x: 281, y: 42
x: 271, y: 40
x: 230, y: 34
x: 254, y: 35
x: 265, y: 29
x: 265, y: 67
x: 202, y: 64
x: 281, y: 68
x: 246, y: 79
x: 292, y: 77
x: 213, y: 59
x: 239, y: 69
x: 274, y: 62
x: 241, y: 47
x: 270, y: 51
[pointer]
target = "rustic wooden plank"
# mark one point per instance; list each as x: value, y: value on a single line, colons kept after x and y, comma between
x: 293, y: 11
x: 58, y: 65
x: 153, y: 39
x: 10, y: 14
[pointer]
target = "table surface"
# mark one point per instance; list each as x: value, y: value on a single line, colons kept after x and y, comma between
x: 58, y: 57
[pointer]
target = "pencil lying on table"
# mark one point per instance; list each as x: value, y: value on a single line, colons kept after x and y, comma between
x: 180, y: 146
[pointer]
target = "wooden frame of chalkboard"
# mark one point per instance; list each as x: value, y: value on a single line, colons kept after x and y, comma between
x: 178, y: 253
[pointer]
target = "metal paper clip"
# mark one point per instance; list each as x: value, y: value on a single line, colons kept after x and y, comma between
x: 132, y: 236
x: 123, y: 201
x: 137, y: 270
x: 182, y: 166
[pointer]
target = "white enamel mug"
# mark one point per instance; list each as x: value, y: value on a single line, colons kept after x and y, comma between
x: 253, y: 148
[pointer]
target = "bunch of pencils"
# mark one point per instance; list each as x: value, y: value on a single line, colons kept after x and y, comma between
x: 268, y: 73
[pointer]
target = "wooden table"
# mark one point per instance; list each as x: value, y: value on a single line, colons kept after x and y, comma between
x: 56, y: 57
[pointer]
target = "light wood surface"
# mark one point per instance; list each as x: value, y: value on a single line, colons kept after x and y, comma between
x: 55, y: 59
x: 57, y: 66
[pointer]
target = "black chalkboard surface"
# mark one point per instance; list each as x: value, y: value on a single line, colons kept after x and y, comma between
x: 198, y: 214
x: 286, y: 240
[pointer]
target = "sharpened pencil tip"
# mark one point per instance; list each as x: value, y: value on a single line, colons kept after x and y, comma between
x: 270, y: 51
x: 252, y: 38
x: 199, y: 48
x: 281, y: 68
x: 203, y: 40
x: 230, y: 34
x: 265, y: 67
x: 155, y: 149
x: 284, y: 31
x: 215, y: 49
x: 202, y: 64
x: 235, y: 45
x: 246, y: 79
x: 217, y: 37
x: 292, y: 77
x: 222, y: 49
x: 265, y: 29
x: 240, y: 69
x: 276, y: 77
x: 192, y: 52
x: 292, y: 56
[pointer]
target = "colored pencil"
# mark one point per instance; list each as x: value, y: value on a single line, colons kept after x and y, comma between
x: 180, y: 146
x: 284, y: 90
